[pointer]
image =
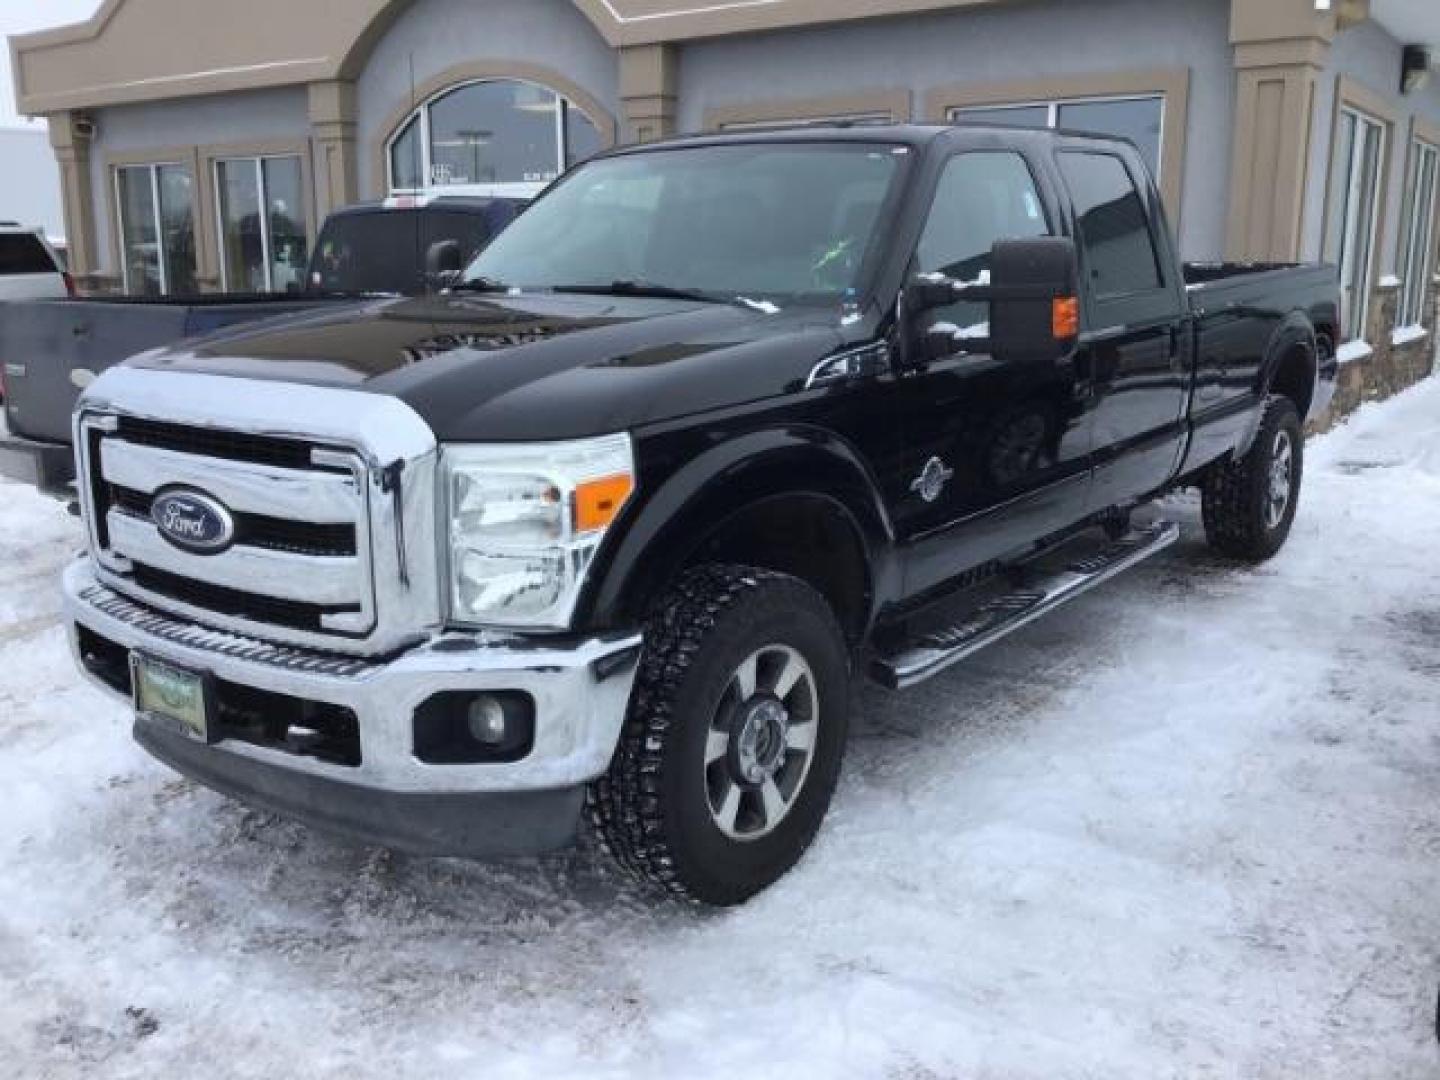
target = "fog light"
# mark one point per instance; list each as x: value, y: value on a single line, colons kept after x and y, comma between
x: 487, y: 721
x: 459, y: 727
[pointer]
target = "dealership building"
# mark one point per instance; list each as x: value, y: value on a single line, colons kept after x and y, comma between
x: 201, y: 141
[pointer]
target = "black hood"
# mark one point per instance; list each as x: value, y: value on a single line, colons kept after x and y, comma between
x: 537, y: 366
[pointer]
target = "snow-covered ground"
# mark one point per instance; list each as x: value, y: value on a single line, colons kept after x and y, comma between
x: 1189, y: 827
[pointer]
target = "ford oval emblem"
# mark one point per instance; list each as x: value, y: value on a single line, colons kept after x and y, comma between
x: 193, y: 521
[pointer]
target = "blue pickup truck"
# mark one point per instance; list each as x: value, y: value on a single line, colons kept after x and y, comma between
x: 50, y: 350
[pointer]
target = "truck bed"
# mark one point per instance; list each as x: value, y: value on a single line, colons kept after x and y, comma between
x: 1226, y: 279
x: 52, y: 347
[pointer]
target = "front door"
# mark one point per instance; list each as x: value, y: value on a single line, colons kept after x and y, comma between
x: 996, y: 453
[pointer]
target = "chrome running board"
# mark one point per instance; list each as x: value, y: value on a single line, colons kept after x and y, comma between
x: 932, y: 653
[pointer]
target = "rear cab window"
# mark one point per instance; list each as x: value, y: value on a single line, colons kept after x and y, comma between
x: 23, y: 253
x: 1119, y: 251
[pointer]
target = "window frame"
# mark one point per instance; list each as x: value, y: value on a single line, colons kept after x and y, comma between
x: 502, y: 189
x: 258, y: 159
x: 1170, y: 84
x: 1420, y: 229
x: 1157, y: 303
x: 1054, y: 105
x: 1355, y: 324
x: 152, y: 169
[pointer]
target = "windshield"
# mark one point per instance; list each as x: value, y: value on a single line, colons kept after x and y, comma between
x: 780, y: 221
x: 384, y: 251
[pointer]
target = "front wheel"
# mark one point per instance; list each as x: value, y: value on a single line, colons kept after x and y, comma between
x: 1249, y: 505
x: 733, y: 743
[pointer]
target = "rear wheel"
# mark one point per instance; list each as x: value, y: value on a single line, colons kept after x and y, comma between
x: 734, y: 739
x: 1249, y: 505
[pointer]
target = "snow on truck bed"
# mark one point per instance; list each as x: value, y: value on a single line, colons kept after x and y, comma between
x: 1188, y: 827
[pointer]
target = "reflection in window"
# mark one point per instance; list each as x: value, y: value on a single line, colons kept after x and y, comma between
x: 1353, y: 215
x: 1418, y: 236
x: 263, y: 246
x: 156, y: 207
x: 1115, y: 234
x: 1139, y: 119
x: 982, y: 198
x: 494, y: 137
x: 407, y: 163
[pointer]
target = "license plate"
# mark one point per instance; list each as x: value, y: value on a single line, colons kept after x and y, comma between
x: 171, y: 694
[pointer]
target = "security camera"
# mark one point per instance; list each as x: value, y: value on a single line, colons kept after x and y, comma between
x: 84, y: 127
x: 1414, y: 68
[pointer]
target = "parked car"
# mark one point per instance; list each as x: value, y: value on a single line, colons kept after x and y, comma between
x: 604, y: 532
x: 30, y: 268
x: 51, y: 350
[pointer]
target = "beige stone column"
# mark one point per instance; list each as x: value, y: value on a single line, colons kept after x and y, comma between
x: 648, y: 92
x: 333, y: 146
x: 1281, y: 46
x: 70, y: 137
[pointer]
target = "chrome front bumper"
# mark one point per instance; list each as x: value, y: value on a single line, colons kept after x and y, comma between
x: 581, y: 691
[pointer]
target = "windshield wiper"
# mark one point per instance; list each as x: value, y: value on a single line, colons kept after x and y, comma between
x: 666, y: 292
x: 641, y: 288
x: 480, y: 285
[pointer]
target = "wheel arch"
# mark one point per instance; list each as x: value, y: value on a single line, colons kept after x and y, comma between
x: 1291, y: 369
x: 799, y: 501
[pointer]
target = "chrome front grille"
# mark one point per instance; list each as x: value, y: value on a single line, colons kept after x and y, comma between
x: 328, y: 527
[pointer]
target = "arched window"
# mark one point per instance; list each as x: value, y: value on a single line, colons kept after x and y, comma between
x: 494, y: 137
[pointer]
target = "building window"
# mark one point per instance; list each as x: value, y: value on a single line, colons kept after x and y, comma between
x: 156, y: 213
x: 498, y: 137
x: 1354, y: 214
x: 260, y: 208
x: 1140, y: 119
x: 1417, y: 238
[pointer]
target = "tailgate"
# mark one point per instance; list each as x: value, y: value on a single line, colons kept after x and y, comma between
x: 51, y: 349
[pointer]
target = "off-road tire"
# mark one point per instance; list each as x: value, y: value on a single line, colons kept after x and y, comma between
x: 650, y: 810
x: 1234, y: 494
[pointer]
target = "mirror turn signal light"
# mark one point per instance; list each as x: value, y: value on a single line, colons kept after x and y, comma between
x: 598, y: 502
x: 1065, y: 318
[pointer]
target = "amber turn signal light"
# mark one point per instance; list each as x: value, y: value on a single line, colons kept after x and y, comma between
x: 1065, y: 318
x: 598, y: 502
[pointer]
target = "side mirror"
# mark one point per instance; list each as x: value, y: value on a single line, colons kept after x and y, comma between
x: 1032, y: 288
x: 1040, y: 320
x: 442, y: 260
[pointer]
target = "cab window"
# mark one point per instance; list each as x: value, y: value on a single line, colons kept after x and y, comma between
x: 983, y: 197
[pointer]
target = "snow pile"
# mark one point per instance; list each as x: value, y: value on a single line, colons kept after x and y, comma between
x: 1188, y: 827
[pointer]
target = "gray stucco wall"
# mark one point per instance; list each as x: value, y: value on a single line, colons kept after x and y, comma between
x: 1370, y: 56
x: 253, y: 116
x: 1073, y: 37
x: 433, y: 35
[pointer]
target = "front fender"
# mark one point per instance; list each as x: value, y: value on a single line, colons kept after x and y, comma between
x: 659, y: 534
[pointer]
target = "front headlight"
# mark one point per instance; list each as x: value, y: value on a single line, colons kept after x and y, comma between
x: 525, y: 522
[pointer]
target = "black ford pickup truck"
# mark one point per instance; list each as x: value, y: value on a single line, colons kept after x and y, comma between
x: 51, y: 349
x: 604, y: 532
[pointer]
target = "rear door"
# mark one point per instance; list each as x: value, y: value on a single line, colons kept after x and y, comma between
x: 27, y: 270
x: 996, y: 453
x: 1134, y: 348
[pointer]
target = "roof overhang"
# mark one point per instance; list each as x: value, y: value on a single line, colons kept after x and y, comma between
x: 147, y: 50
x: 1411, y: 22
